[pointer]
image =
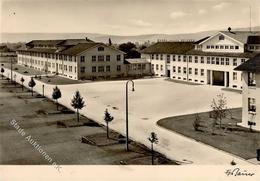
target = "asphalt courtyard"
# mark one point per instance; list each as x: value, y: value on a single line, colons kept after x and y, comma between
x: 152, y: 100
x: 37, y: 119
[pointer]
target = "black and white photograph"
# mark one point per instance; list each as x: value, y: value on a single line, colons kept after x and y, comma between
x: 140, y: 88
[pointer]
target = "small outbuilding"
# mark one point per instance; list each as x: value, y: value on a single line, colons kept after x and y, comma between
x: 137, y: 67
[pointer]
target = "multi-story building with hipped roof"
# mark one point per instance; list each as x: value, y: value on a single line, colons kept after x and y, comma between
x: 210, y: 60
x: 76, y: 59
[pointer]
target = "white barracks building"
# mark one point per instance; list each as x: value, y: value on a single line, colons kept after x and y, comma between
x: 73, y: 58
x: 210, y: 60
x: 80, y: 59
x: 251, y: 92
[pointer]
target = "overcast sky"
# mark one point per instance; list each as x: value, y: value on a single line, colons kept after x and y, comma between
x: 126, y: 17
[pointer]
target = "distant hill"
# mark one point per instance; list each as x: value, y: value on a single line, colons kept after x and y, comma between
x: 25, y: 37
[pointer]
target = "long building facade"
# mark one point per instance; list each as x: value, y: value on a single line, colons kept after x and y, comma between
x: 251, y: 93
x: 75, y: 59
x: 210, y: 60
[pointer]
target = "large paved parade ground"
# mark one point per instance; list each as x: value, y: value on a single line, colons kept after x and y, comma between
x: 152, y: 100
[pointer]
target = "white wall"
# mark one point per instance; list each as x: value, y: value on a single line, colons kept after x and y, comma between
x: 88, y: 64
x: 251, y: 92
x: 42, y: 67
x: 226, y: 42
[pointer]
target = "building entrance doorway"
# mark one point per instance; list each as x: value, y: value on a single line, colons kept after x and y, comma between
x: 218, y: 78
x: 168, y: 73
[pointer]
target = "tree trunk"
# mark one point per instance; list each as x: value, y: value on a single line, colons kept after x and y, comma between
x: 152, y: 154
x: 57, y: 104
x: 22, y: 86
x: 107, y: 131
x: 78, y: 115
x: 2, y: 76
x: 32, y: 91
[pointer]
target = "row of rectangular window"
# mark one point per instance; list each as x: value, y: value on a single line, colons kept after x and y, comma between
x: 65, y: 67
x: 100, y: 68
x: 251, y: 47
x: 157, y: 67
x: 70, y: 67
x: 69, y: 57
x: 214, y: 60
x: 137, y: 67
x: 49, y: 55
x: 231, y: 47
x: 100, y: 58
x: 202, y: 71
x: 48, y: 64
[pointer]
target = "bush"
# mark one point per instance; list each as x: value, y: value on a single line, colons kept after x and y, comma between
x: 196, y: 123
x: 25, y: 72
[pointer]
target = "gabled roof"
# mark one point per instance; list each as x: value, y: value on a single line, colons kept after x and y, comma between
x: 253, y: 40
x: 201, y: 40
x: 169, y: 47
x: 70, y: 42
x: 240, y: 36
x: 81, y: 47
x: 62, y: 42
x: 44, y: 42
x: 4, y: 48
x: 252, y: 65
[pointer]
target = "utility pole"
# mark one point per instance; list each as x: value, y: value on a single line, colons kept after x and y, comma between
x: 127, y: 148
x: 11, y: 69
x: 250, y: 27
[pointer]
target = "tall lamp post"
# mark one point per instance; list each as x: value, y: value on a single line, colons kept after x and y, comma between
x: 126, y: 107
x: 42, y: 89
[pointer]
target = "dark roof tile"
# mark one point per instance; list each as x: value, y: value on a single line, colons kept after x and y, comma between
x: 74, y: 50
x: 169, y: 47
x: 70, y: 42
x: 240, y: 36
x: 79, y: 48
x: 201, y: 40
x: 253, y: 40
x: 44, y: 42
x: 252, y: 65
